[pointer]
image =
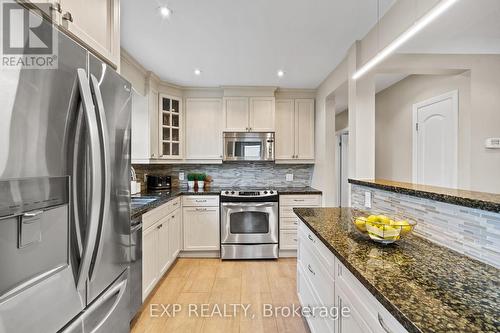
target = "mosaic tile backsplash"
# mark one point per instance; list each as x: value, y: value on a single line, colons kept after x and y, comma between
x: 252, y: 174
x: 473, y: 232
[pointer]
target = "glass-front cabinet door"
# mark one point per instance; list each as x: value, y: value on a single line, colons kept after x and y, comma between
x: 170, y: 127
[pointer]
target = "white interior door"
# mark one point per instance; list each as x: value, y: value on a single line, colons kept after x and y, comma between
x: 435, y: 141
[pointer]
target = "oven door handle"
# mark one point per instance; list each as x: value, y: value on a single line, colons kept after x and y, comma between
x: 248, y: 204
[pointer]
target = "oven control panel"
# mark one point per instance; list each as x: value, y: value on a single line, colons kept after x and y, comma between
x: 247, y: 194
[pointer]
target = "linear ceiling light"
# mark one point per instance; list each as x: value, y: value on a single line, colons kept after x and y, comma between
x: 412, y: 31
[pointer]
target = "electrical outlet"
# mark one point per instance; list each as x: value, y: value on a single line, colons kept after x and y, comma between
x: 181, y: 175
x: 368, y: 199
x: 289, y: 177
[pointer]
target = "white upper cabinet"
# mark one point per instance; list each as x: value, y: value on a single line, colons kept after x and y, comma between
x: 236, y: 111
x: 262, y: 111
x: 304, y: 129
x: 96, y: 23
x: 248, y: 114
x: 295, y: 130
x: 203, y: 128
x: 170, y: 129
x: 140, y: 129
x: 285, y: 129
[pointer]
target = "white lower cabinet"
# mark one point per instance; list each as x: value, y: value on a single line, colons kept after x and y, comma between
x: 150, y: 274
x: 164, y: 258
x: 323, y: 281
x: 160, y: 243
x: 289, y: 221
x: 175, y: 234
x: 201, y: 223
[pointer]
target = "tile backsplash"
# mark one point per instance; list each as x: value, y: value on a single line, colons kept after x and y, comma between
x: 473, y: 232
x: 249, y: 174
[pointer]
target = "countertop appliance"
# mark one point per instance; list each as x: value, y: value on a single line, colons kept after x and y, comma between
x: 65, y: 195
x: 135, y: 266
x: 249, y: 224
x: 158, y: 182
x: 248, y: 146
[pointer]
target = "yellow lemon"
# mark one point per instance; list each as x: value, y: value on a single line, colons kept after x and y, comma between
x: 372, y: 218
x: 384, y: 219
x: 406, y: 227
x: 360, y: 224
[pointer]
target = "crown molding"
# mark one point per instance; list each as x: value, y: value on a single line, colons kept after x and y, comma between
x: 127, y: 57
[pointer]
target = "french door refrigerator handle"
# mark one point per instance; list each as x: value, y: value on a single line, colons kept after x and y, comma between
x: 105, y: 160
x: 95, y: 175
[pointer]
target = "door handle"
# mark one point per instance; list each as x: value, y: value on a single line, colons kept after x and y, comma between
x: 33, y: 213
x: 105, y: 166
x: 96, y: 179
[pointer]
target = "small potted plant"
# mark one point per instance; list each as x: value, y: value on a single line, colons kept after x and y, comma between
x: 201, y: 180
x: 191, y: 178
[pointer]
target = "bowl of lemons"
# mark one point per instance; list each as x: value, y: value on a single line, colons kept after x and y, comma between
x: 383, y: 229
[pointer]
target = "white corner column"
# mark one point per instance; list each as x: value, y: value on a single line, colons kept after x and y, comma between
x: 361, y: 108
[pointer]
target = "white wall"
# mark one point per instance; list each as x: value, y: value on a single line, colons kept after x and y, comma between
x: 484, y: 109
x: 324, y: 175
x: 394, y: 123
x: 341, y: 120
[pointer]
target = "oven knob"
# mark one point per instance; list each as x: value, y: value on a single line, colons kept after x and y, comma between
x: 265, y: 192
x: 232, y: 192
x: 227, y: 192
x: 270, y: 192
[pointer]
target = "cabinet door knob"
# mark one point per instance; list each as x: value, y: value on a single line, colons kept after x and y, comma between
x: 56, y: 7
x: 67, y: 17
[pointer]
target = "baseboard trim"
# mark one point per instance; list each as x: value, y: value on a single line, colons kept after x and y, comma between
x: 288, y: 254
x: 199, y: 254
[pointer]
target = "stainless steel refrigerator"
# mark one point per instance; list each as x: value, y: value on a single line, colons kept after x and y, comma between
x: 64, y: 196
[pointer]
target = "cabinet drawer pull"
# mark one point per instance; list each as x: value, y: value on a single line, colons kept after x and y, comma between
x: 310, y: 269
x: 67, y: 17
x: 201, y: 209
x: 383, y: 324
x: 199, y: 200
x: 298, y: 200
x: 296, y: 223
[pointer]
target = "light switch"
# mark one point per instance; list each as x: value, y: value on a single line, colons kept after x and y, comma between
x: 181, y: 175
x: 289, y: 177
x: 368, y: 199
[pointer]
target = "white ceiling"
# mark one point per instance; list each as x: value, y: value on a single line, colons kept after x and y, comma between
x: 245, y: 42
x: 468, y: 27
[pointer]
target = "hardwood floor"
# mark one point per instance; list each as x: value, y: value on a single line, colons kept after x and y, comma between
x: 217, y: 283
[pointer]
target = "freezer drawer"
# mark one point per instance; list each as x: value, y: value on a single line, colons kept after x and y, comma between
x: 107, y: 313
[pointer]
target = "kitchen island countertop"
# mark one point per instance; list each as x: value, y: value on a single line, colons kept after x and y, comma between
x: 426, y: 287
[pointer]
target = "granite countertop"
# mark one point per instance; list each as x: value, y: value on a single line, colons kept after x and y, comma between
x: 472, y: 199
x: 428, y: 288
x: 167, y: 195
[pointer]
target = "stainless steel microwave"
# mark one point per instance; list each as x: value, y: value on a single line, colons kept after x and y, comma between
x: 248, y: 146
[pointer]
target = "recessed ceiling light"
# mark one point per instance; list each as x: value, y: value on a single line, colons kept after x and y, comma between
x: 165, y: 11
x: 281, y: 73
x: 197, y: 72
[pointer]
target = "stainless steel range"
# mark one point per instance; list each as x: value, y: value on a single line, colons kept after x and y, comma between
x: 249, y: 224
